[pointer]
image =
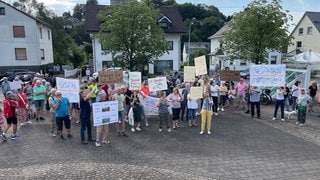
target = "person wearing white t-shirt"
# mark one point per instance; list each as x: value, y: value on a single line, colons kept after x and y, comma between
x: 295, y: 94
x: 214, y: 89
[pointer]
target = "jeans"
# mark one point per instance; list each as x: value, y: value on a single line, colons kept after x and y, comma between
x: 286, y: 104
x: 143, y: 113
x: 294, y: 103
x: 183, y: 110
x: 206, y: 118
x: 281, y: 104
x: 257, y: 104
x: 223, y: 99
x: 85, y: 123
x: 215, y: 103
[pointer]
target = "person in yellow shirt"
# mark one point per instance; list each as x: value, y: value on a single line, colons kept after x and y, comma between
x: 93, y: 86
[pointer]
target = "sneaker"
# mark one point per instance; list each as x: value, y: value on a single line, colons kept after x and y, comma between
x: 126, y: 120
x: 169, y: 129
x: 29, y: 122
x: 201, y: 132
x: 41, y: 118
x: 98, y: 144
x: 216, y: 114
x: 273, y: 119
x: 14, y: 136
x: 133, y: 130
x: 218, y: 109
x: 282, y: 120
x: 247, y: 112
x: 118, y: 134
x: 147, y: 125
x: 297, y: 123
x: 61, y: 137
x: 84, y: 142
x: 22, y: 124
x: 37, y: 119
x: 124, y: 134
x: 301, y: 124
x: 138, y: 129
x: 209, y: 132
x: 69, y: 136
x: 53, y: 134
x: 160, y: 130
x: 3, y: 136
x: 104, y: 141
x: 222, y: 109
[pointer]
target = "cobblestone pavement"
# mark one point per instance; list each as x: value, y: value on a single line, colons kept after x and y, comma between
x: 238, y: 148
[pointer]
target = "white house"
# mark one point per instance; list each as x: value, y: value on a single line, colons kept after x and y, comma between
x: 193, y: 47
x: 220, y: 60
x: 172, y: 24
x: 25, y: 41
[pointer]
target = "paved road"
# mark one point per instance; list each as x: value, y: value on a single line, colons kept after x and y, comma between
x: 238, y: 148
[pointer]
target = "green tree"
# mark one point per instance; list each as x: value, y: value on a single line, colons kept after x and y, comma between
x: 262, y: 26
x: 130, y: 33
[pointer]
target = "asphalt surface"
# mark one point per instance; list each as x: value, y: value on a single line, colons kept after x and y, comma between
x: 238, y: 148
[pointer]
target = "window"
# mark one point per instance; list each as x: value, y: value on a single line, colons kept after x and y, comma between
x: 42, y: 54
x: 162, y: 65
x: 273, y: 60
x: 170, y: 45
x: 164, y: 25
x: 21, y: 53
x: 299, y: 44
x: 309, y: 30
x: 18, y: 32
x: 103, y: 48
x: 300, y: 31
x: 2, y: 11
x: 48, y: 35
x: 40, y: 31
x: 243, y: 62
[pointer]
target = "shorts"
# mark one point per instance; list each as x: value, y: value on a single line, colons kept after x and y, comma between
x: 231, y: 99
x: 65, y: 120
x: 241, y: 98
x: 75, y: 106
x: 12, y: 120
x: 121, y: 116
x: 38, y: 103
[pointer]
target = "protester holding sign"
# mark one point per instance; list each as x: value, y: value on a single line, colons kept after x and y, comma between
x: 121, y: 125
x: 85, y: 112
x: 175, y: 99
x: 136, y: 108
x: 103, y: 134
x: 163, y: 105
x: 206, y: 113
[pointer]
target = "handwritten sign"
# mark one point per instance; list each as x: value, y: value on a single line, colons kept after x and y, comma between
x: 196, y: 92
x: 134, y: 80
x: 189, y: 73
x: 14, y: 85
x: 151, y: 105
x: 105, y: 112
x: 267, y: 75
x: 68, y: 73
x: 158, y: 84
x: 227, y: 75
x: 200, y: 65
x: 110, y: 77
x: 69, y: 88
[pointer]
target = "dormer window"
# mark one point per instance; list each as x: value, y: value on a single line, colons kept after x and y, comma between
x: 165, y: 22
x: 300, y: 31
x: 2, y: 11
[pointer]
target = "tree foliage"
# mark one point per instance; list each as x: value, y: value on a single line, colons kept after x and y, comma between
x: 262, y: 26
x: 130, y: 33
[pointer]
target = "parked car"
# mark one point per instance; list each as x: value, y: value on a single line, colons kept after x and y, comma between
x: 21, y: 75
x: 245, y: 74
x: 13, y: 71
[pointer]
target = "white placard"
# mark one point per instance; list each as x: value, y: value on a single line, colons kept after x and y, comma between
x: 69, y: 88
x: 14, y: 85
x: 268, y: 75
x: 158, y: 84
x: 105, y: 113
x: 189, y: 73
x: 200, y: 65
x: 134, y: 80
x: 150, y: 106
x: 196, y: 92
x: 68, y: 73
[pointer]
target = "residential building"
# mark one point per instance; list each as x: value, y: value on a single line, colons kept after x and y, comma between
x: 306, y: 34
x: 194, y: 46
x: 219, y: 60
x: 25, y: 41
x: 170, y: 21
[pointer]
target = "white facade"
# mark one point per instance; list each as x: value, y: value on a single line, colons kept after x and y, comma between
x: 170, y: 60
x: 34, y: 44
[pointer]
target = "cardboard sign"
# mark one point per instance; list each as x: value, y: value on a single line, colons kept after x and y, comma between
x: 196, y: 92
x: 226, y: 75
x: 134, y: 80
x: 158, y: 84
x: 200, y: 65
x: 106, y: 77
x: 189, y: 73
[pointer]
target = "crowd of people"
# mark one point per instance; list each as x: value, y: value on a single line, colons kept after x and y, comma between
x: 175, y: 105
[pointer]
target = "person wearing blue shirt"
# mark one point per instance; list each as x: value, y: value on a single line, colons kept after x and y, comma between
x: 62, y: 107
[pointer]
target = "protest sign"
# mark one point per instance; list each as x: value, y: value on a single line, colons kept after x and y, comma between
x: 189, y: 72
x: 106, y: 77
x: 226, y: 75
x: 105, y: 112
x: 267, y: 75
x: 200, y: 65
x: 14, y: 85
x: 134, y: 80
x: 196, y: 92
x: 69, y: 88
x: 150, y: 106
x: 158, y: 84
x: 68, y: 73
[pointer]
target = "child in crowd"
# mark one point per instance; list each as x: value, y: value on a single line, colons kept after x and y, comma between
x: 302, y: 102
x: 231, y: 96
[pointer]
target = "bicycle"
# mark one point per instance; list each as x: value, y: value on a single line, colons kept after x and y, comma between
x: 265, y: 97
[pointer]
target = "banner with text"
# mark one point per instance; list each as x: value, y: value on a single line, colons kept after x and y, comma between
x: 69, y: 88
x: 105, y: 112
x: 226, y: 75
x: 150, y: 106
x: 196, y: 92
x: 200, y: 65
x: 134, y: 80
x: 106, y: 77
x: 158, y: 84
x: 268, y: 75
x: 189, y: 72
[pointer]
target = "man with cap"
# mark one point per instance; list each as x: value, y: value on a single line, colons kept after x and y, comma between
x: 5, y: 86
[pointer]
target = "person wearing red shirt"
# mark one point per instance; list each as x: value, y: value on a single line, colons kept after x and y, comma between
x: 9, y: 108
x: 144, y: 92
x: 22, y: 107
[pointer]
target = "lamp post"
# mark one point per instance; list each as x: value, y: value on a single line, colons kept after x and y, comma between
x: 188, y: 56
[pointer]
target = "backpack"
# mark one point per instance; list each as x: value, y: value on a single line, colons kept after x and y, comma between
x: 47, y: 103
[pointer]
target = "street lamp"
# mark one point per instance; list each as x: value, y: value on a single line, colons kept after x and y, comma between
x: 191, y: 23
